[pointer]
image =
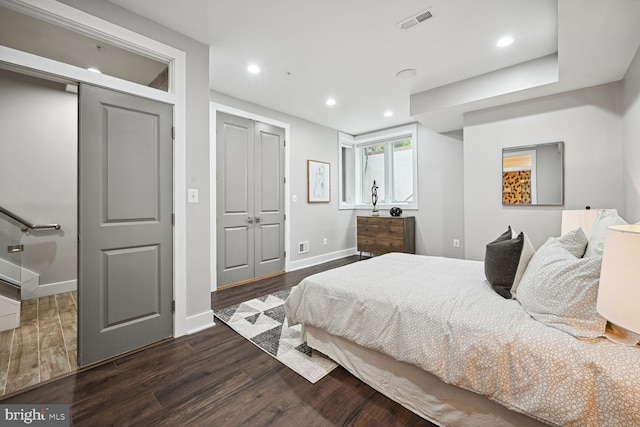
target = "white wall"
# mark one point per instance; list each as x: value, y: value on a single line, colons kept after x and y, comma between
x: 38, y: 130
x: 589, y: 121
x: 197, y: 127
x: 631, y: 170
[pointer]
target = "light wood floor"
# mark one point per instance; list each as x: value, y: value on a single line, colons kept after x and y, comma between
x: 45, y: 344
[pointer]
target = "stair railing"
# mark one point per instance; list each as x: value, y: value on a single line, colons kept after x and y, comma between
x: 26, y: 225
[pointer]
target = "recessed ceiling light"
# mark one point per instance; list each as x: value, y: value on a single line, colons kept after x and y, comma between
x: 406, y: 74
x: 94, y: 70
x: 505, y: 41
x: 331, y: 101
x: 253, y: 69
x: 388, y: 113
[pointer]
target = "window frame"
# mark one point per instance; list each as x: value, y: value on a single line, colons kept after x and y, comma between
x: 385, y: 137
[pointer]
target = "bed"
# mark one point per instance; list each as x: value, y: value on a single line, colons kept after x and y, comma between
x: 432, y: 334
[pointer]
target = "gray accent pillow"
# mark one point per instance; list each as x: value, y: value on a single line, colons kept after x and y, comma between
x: 501, y: 260
x: 560, y: 289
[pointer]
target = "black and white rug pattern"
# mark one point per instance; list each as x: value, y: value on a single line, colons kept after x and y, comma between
x: 262, y: 321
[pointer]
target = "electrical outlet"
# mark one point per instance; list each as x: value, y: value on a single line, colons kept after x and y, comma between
x: 303, y: 247
x: 294, y: 198
x: 324, y: 241
x: 456, y: 243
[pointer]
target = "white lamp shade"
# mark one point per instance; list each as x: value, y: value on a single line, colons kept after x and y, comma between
x: 619, y: 289
x: 580, y: 218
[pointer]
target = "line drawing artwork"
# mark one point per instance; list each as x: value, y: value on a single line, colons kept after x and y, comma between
x: 319, y: 189
x: 319, y: 181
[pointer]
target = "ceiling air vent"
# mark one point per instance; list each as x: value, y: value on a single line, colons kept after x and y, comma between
x: 415, y: 20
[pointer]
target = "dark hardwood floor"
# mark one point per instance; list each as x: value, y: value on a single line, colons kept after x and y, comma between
x: 217, y: 378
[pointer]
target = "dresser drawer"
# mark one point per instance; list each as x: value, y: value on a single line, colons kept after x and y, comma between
x: 380, y: 246
x: 380, y: 235
x: 370, y: 229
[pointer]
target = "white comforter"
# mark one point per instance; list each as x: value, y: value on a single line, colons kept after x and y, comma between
x: 442, y: 315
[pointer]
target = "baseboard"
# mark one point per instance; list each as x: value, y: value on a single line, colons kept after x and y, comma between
x: 29, y: 292
x: 310, y: 262
x: 18, y: 274
x: 200, y: 322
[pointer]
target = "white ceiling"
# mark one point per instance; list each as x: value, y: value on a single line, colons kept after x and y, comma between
x: 351, y: 50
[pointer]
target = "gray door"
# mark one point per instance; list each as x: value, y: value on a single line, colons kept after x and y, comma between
x: 250, y: 184
x: 125, y: 250
x: 269, y: 199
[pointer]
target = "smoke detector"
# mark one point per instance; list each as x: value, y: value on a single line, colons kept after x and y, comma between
x: 416, y: 19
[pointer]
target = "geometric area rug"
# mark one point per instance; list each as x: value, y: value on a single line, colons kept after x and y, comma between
x: 262, y: 321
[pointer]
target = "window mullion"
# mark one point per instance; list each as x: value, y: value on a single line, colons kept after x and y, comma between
x: 384, y: 163
x: 388, y: 172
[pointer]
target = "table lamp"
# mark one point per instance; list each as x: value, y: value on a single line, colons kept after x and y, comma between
x: 619, y: 289
x: 580, y: 218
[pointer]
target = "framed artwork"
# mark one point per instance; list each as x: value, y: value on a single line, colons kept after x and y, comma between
x: 318, y: 182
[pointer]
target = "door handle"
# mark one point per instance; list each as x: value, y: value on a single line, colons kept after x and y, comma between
x: 250, y: 220
x: 257, y: 219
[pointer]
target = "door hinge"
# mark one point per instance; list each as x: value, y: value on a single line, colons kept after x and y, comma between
x: 285, y: 179
x: 173, y: 132
x: 285, y: 217
x: 173, y: 306
x: 285, y: 254
x: 284, y: 142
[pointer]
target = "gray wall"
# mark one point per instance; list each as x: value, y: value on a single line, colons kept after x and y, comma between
x: 440, y: 217
x: 197, y: 55
x: 38, y: 130
x: 631, y: 170
x: 310, y: 222
x: 438, y: 221
x: 589, y: 121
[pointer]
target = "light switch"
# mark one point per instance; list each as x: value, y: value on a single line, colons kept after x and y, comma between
x: 192, y: 195
x: 294, y: 198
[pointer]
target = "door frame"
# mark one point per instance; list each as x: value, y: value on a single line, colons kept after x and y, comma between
x: 213, y: 110
x: 79, y: 21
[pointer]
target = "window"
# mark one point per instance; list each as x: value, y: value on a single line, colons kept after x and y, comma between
x: 389, y: 158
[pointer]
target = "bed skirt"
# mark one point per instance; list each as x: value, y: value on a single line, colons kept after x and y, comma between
x: 417, y: 390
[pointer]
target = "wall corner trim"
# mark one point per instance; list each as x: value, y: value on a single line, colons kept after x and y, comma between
x: 200, y: 322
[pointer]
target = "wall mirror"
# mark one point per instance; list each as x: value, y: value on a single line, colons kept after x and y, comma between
x: 533, y: 175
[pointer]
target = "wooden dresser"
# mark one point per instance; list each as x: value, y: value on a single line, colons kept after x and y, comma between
x: 383, y: 234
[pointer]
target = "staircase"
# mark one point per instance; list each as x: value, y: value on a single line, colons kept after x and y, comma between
x: 9, y: 305
x: 14, y: 279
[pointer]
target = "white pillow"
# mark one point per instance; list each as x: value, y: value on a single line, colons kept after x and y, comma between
x: 574, y: 241
x: 604, y: 219
x: 560, y: 289
x: 525, y: 256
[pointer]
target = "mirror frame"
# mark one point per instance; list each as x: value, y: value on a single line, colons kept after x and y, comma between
x: 533, y: 148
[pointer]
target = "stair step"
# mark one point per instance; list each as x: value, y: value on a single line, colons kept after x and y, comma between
x: 10, y: 289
